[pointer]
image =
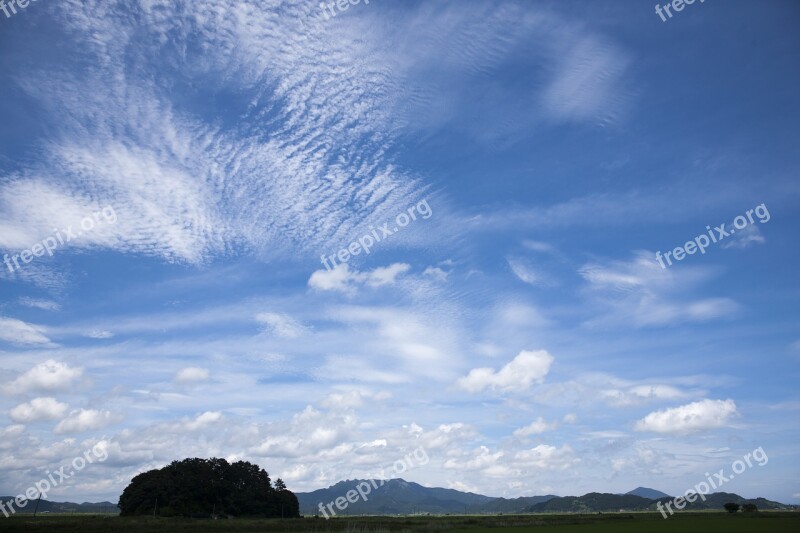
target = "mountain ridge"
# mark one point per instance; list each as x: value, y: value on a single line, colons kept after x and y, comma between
x: 397, y: 496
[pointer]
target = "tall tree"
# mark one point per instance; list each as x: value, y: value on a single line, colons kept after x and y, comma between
x: 200, y: 486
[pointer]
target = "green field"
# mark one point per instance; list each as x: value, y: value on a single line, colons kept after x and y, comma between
x: 700, y: 522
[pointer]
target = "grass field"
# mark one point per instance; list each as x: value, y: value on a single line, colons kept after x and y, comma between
x: 767, y: 522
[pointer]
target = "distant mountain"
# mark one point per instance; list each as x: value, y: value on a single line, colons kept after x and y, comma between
x: 46, y: 506
x: 650, y: 494
x: 717, y: 500
x: 395, y: 496
x: 399, y: 497
x: 593, y: 502
x: 513, y: 505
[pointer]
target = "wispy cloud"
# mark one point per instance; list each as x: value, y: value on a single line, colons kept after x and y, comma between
x: 22, y: 333
x: 640, y: 292
x: 588, y: 82
x: 47, y: 305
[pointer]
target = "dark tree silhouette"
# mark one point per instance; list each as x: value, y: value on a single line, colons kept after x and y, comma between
x: 749, y: 508
x: 731, y: 507
x: 195, y: 487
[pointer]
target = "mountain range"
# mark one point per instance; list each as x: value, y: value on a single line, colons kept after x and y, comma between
x: 398, y: 496
x: 46, y: 506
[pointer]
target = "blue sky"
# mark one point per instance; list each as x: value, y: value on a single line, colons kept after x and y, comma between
x: 522, y: 331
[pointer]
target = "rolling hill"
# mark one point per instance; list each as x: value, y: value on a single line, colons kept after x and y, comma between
x: 398, y: 496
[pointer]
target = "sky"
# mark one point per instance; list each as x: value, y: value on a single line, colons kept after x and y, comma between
x: 320, y: 239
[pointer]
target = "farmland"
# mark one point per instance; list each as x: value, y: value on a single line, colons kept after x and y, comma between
x: 691, y: 522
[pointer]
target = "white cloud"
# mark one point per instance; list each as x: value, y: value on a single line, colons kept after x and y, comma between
x: 11, y: 432
x: 521, y: 463
x: 386, y: 275
x: 588, y: 82
x: 50, y: 375
x: 518, y: 375
x: 38, y: 409
x: 339, y: 279
x: 86, y: 420
x: 744, y: 238
x: 47, y: 305
x: 525, y: 271
x: 536, y: 427
x: 99, y: 334
x: 203, y: 420
x: 9, y: 437
x: 347, y: 400
x: 281, y: 325
x: 696, y: 416
x: 639, y: 292
x: 538, y: 246
x: 342, y: 279
x: 436, y: 273
x: 192, y: 375
x: 640, y: 394
x: 520, y: 315
x: 21, y: 333
x: 545, y: 457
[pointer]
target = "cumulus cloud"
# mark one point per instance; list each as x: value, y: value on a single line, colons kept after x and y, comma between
x: 346, y: 400
x: 546, y: 457
x: 436, y: 273
x: 192, y: 375
x: 535, y: 428
x: 501, y: 464
x: 50, y: 375
x: 21, y: 333
x: 204, y: 420
x: 86, y: 420
x: 38, y: 409
x: 11, y: 432
x: 696, y: 416
x: 518, y: 375
x: 342, y: 279
x: 386, y: 275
